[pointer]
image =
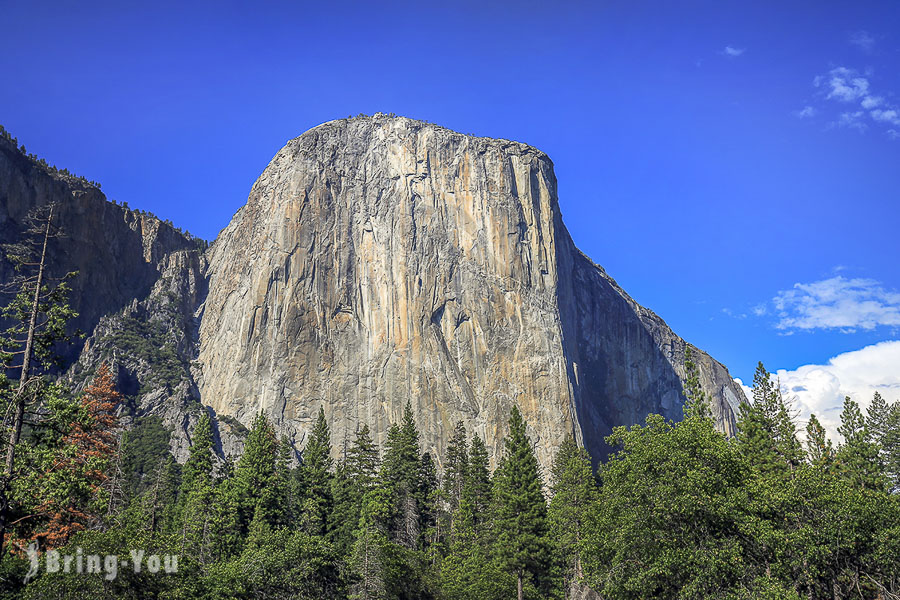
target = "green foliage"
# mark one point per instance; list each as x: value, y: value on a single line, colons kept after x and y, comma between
x: 150, y: 341
x: 315, y: 479
x: 696, y: 405
x: 574, y: 495
x: 277, y: 563
x: 146, y: 445
x: 520, y: 510
x: 669, y: 505
x: 679, y: 511
x: 818, y: 446
x: 355, y: 477
x: 456, y: 466
x: 766, y: 432
x: 859, y: 458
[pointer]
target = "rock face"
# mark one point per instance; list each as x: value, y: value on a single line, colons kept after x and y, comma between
x: 380, y: 260
x: 116, y: 251
x: 138, y: 286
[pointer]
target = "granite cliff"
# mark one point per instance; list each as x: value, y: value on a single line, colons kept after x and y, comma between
x: 377, y: 260
x: 381, y: 259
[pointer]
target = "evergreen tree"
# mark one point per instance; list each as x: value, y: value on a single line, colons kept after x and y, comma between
x: 766, y: 431
x: 456, y: 467
x: 37, y: 317
x: 469, y: 570
x: 877, y: 416
x: 574, y: 492
x: 428, y: 498
x: 315, y: 477
x: 401, y: 471
x: 478, y: 486
x: 288, y: 478
x: 227, y: 526
x: 196, y: 497
x: 818, y: 445
x: 890, y: 443
x: 255, y: 489
x: 200, y: 458
x: 368, y: 558
x: 696, y: 403
x: 520, y: 510
x: 355, y: 476
x: 858, y: 457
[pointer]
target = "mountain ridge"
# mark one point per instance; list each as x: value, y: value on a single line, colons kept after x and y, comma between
x: 574, y: 340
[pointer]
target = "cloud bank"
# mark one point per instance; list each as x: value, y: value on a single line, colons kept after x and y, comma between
x: 820, y: 389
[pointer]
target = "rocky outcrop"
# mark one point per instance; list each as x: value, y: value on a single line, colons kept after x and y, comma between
x: 380, y: 260
x: 116, y: 251
x: 138, y: 287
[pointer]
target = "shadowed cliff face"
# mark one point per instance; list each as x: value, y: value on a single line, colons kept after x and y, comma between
x: 138, y: 285
x: 383, y: 259
x: 114, y: 250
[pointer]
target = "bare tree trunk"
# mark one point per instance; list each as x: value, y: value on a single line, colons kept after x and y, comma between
x: 20, y: 398
x: 519, y: 584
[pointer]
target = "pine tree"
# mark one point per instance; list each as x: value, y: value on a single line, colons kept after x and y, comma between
x: 468, y: 570
x: 38, y: 315
x: 818, y: 445
x: 520, y: 510
x: 401, y: 470
x: 766, y: 431
x: 877, y: 417
x: 428, y: 498
x: 858, y: 457
x: 289, y: 482
x: 478, y: 486
x: 355, y: 476
x: 72, y: 481
x: 890, y: 443
x: 315, y: 477
x: 696, y: 404
x: 227, y: 526
x: 367, y: 560
x: 574, y: 492
x: 200, y: 458
x: 456, y: 467
x: 254, y: 488
x: 196, y: 495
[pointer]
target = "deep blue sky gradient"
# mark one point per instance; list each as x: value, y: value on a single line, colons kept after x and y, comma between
x: 682, y: 170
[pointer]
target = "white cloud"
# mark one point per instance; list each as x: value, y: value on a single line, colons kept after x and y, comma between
x: 871, y: 102
x: 805, y: 112
x: 820, y: 389
x: 846, y: 85
x: 891, y: 116
x: 893, y: 134
x: 863, y: 40
x: 733, y: 52
x: 837, y: 303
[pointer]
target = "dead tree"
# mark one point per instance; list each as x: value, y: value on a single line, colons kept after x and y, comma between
x: 38, y: 313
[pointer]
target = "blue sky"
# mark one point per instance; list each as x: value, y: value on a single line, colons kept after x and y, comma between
x: 733, y: 165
